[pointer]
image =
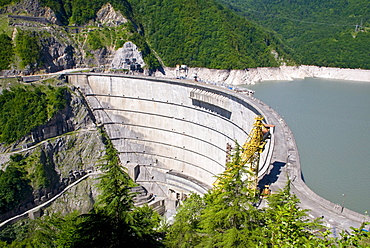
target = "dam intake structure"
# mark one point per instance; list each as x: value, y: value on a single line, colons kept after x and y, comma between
x: 173, y: 136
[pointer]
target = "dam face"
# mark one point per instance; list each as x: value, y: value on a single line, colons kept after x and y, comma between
x: 172, y: 135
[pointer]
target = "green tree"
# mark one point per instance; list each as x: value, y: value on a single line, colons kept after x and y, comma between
x: 230, y: 218
x: 4, y: 2
x: 6, y: 51
x: 28, y: 49
x: 225, y: 217
x: 287, y: 224
x: 184, y: 231
x: 318, y: 33
x: 114, y: 221
x: 14, y: 184
x: 24, y: 108
x: 204, y: 34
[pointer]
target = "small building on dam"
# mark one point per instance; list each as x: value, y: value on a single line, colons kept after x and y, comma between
x: 172, y: 135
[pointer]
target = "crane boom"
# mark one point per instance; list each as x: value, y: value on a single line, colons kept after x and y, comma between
x: 252, y: 149
x: 249, y: 157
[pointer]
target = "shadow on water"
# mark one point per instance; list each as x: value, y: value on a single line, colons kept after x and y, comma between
x: 272, y: 176
x: 302, y: 177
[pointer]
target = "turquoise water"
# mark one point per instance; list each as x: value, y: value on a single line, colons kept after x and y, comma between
x: 330, y: 120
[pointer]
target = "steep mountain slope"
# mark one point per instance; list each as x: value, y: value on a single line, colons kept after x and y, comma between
x: 42, y: 155
x: 199, y: 34
x: 205, y: 34
x: 323, y: 33
x: 34, y: 37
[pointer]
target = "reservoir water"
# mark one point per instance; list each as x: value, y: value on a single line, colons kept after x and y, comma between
x: 330, y: 120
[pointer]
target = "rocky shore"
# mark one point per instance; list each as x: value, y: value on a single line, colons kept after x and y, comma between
x: 282, y: 73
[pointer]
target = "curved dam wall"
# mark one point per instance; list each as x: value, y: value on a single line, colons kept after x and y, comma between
x: 172, y: 135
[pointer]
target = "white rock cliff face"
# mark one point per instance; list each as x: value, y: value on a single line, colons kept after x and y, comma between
x: 129, y: 52
x: 282, y: 73
x: 108, y: 16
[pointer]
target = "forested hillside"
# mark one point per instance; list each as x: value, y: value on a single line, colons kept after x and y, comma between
x: 205, y: 34
x: 208, y: 34
x: 24, y: 108
x: 323, y: 33
x: 199, y: 34
x: 196, y: 33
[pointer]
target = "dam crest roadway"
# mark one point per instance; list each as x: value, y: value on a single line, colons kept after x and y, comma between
x: 172, y: 136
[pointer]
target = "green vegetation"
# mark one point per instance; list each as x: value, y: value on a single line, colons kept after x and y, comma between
x: 5, y: 2
x: 21, y: 176
x: 208, y: 34
x: 24, y: 108
x: 28, y: 49
x: 205, y: 34
x: 320, y: 33
x: 114, y: 221
x: 4, y: 25
x: 199, y: 34
x: 14, y: 184
x: 40, y: 170
x: 74, y: 12
x: 6, y: 51
x: 114, y: 37
x: 227, y: 217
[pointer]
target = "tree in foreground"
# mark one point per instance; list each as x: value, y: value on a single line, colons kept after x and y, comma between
x: 113, y: 222
x: 184, y: 231
x: 228, y: 216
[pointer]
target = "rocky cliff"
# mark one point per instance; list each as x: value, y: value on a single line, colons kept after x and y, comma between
x: 66, y: 146
x: 95, y: 45
x: 31, y: 9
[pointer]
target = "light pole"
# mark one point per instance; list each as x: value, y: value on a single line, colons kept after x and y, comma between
x: 344, y: 198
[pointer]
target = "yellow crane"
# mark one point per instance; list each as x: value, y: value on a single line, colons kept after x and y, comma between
x: 252, y: 149
x: 250, y: 155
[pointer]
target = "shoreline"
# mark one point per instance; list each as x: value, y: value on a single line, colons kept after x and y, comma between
x: 260, y: 74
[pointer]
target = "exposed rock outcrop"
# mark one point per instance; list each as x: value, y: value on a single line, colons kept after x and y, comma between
x: 81, y: 197
x: 70, y: 47
x: 127, y: 56
x: 31, y: 8
x: 69, y: 142
x: 57, y: 55
x: 109, y: 17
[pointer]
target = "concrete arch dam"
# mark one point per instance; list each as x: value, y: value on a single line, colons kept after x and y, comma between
x: 172, y: 135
